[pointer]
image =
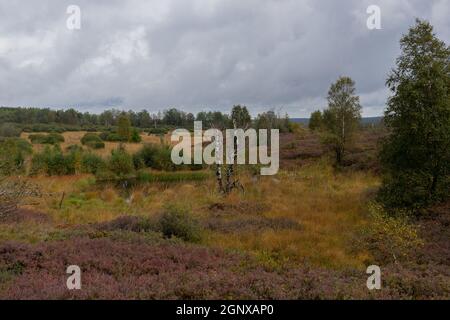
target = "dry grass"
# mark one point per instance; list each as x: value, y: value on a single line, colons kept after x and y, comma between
x: 74, y: 137
x: 329, y: 207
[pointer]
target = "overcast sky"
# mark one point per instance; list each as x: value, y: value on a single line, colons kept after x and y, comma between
x: 202, y: 54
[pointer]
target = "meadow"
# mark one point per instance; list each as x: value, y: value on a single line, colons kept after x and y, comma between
x: 74, y: 138
x: 309, y: 232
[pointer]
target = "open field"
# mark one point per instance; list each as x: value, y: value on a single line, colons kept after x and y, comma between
x: 298, y: 235
x: 74, y: 137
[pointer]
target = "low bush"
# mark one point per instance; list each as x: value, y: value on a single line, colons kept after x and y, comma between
x: 159, y: 130
x: 93, y: 141
x: 96, y: 144
x: 13, y: 153
x: 179, y: 223
x: 154, y: 156
x: 410, y: 189
x: 120, y: 163
x: 111, y: 137
x: 9, y: 130
x: 74, y: 148
x: 390, y: 237
x: 92, y: 163
x: 51, y: 138
x: 53, y: 162
x: 135, y: 136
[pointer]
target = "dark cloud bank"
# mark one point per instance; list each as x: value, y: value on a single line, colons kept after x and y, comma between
x: 202, y: 54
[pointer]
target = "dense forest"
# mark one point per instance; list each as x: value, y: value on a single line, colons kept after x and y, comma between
x: 45, y: 119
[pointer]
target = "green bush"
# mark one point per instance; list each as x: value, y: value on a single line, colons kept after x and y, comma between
x: 74, y: 148
x: 154, y: 156
x: 13, y: 152
x: 111, y: 137
x: 121, y: 163
x: 407, y: 189
x: 89, y: 137
x: 114, y: 136
x: 146, y: 157
x: 9, y: 130
x: 92, y: 141
x: 91, y: 163
x: 179, y: 223
x: 53, y: 162
x: 95, y: 144
x: 159, y: 130
x: 135, y: 136
x: 390, y: 236
x: 51, y: 138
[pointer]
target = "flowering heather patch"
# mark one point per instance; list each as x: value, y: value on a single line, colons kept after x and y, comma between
x: 133, y: 270
x: 116, y: 269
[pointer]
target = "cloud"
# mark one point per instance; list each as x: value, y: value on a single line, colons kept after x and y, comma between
x: 202, y: 54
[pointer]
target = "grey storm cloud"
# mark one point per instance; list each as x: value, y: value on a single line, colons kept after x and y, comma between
x: 202, y: 54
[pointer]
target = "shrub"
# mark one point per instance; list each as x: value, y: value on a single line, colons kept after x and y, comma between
x: 92, y: 141
x: 135, y: 136
x: 163, y: 159
x: 52, y: 161
x: 51, y: 138
x: 410, y: 189
x: 146, y: 157
x: 390, y: 236
x: 88, y: 137
x: 91, y: 163
x: 121, y: 163
x: 96, y: 144
x: 158, y: 130
x: 112, y: 137
x: 179, y: 223
x: 154, y: 156
x: 13, y: 152
x: 37, y: 138
x: 9, y: 130
x: 74, y: 148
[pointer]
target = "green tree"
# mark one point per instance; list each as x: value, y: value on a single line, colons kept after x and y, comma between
x: 240, y: 116
x: 341, y: 119
x: 121, y: 163
x: 315, y: 121
x: 124, y: 127
x: 416, y: 154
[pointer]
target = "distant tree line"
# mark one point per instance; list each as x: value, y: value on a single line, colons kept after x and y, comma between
x: 72, y: 119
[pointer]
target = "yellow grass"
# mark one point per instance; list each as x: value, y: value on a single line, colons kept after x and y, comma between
x: 329, y: 207
x: 74, y: 137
